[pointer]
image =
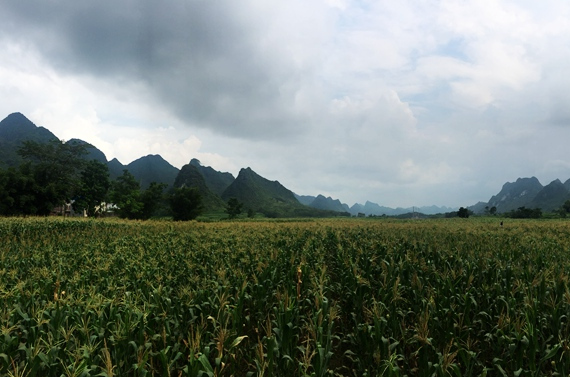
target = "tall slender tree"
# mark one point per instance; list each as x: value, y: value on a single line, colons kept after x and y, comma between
x: 93, y: 190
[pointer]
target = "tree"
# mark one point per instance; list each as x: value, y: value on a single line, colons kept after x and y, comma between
x: 493, y: 210
x: 186, y: 203
x: 94, y: 188
x: 565, y: 209
x: 463, y: 212
x: 54, y: 167
x: 250, y: 213
x: 233, y: 208
x: 525, y: 213
x: 126, y: 195
x: 19, y: 192
x: 151, y: 199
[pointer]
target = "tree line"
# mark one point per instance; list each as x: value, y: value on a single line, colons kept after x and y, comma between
x: 56, y: 174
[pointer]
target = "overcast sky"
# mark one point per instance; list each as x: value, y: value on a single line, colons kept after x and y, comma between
x: 401, y: 103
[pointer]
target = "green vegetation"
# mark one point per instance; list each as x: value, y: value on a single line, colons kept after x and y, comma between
x: 565, y: 209
x: 47, y: 178
x: 93, y: 189
x: 233, y: 208
x: 463, y: 212
x: 191, y: 177
x: 216, y: 181
x: 525, y: 213
x: 270, y: 198
x: 131, y: 202
x: 357, y: 297
x: 185, y: 203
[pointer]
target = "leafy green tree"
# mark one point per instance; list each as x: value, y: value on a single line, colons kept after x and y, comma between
x: 94, y: 188
x: 131, y: 202
x: 18, y: 192
x: 233, y: 208
x: 126, y: 195
x: 55, y: 163
x: 250, y: 213
x: 152, y: 199
x: 493, y: 210
x: 565, y: 209
x: 186, y: 203
x: 55, y: 168
x: 463, y: 212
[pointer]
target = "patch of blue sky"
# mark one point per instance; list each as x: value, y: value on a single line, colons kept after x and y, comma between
x: 351, y: 18
x: 454, y: 48
x: 430, y: 106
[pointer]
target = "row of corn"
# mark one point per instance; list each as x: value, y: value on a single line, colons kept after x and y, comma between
x: 319, y: 298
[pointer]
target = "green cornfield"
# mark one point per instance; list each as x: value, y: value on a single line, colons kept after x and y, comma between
x: 353, y: 297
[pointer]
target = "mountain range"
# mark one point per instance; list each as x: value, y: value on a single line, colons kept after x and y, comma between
x: 260, y: 195
x: 529, y: 193
x: 255, y: 192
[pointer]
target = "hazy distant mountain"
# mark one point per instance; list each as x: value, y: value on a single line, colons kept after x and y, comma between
x: 516, y: 194
x: 529, y: 193
x: 216, y: 181
x: 356, y: 209
x: 14, y: 129
x: 329, y: 203
x: 190, y: 176
x: 479, y: 207
x: 369, y: 208
x: 433, y: 210
x: 305, y: 199
x: 152, y: 168
x: 551, y: 197
x: 320, y: 202
x: 374, y: 209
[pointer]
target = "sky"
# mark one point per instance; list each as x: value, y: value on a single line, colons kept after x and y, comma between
x: 402, y: 103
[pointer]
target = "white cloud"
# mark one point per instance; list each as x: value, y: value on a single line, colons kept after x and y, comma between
x: 363, y: 100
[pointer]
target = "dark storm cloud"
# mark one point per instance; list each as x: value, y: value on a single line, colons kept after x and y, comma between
x: 207, y: 61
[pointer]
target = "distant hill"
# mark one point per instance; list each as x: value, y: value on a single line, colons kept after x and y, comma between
x: 190, y: 176
x: 14, y: 129
x: 115, y: 168
x: 216, y: 181
x: 152, y: 168
x: 357, y: 209
x: 479, y: 207
x: 92, y: 152
x: 515, y: 194
x: 551, y: 197
x: 530, y: 193
x: 305, y: 199
x: 373, y: 209
x: 320, y: 202
x: 268, y: 197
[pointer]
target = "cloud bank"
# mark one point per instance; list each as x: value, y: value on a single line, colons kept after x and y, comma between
x: 401, y: 103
